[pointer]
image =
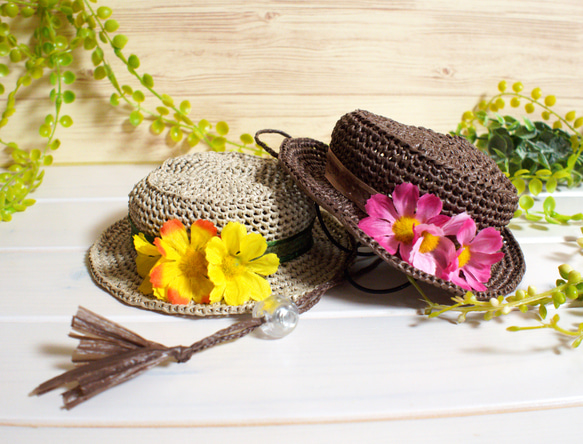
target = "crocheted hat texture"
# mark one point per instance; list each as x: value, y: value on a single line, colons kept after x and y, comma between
x: 382, y: 154
x: 221, y: 187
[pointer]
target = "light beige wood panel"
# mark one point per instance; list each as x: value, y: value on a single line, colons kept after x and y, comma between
x: 299, y: 65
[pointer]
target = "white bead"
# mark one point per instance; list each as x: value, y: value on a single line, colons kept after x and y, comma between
x: 281, y: 316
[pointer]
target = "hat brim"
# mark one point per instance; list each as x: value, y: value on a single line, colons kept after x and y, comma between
x: 113, y: 267
x: 305, y: 161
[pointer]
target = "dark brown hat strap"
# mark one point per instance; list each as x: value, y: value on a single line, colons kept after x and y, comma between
x: 266, y: 147
x: 344, y: 181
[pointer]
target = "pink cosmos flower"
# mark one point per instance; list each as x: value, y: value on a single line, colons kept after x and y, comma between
x: 432, y: 251
x: 391, y: 222
x: 475, y: 257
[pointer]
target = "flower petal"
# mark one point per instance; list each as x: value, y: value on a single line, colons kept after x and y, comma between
x: 376, y: 227
x: 389, y: 243
x: 246, y: 286
x: 252, y: 246
x: 405, y: 197
x: 489, y: 240
x: 201, y: 232
x: 466, y: 232
x: 232, y: 234
x: 174, y: 235
x: 145, y: 263
x: 143, y: 246
x: 381, y: 207
x: 164, y: 274
x: 265, y: 265
x: 454, y: 224
x: 429, y: 206
x: 215, y: 251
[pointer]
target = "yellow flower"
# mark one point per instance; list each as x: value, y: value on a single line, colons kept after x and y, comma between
x: 235, y: 262
x: 147, y: 257
x: 180, y: 274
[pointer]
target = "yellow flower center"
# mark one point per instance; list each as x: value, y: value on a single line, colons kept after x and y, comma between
x: 193, y: 264
x: 429, y: 243
x: 464, y: 257
x: 232, y: 267
x: 403, y: 229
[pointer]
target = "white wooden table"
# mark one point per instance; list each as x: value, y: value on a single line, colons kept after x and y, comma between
x: 358, y: 368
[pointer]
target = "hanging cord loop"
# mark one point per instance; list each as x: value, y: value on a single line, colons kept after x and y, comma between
x: 357, y: 253
x: 266, y: 147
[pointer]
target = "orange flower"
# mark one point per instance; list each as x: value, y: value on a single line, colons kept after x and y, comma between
x: 180, y: 275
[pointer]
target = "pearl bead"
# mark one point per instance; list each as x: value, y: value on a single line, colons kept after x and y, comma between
x: 281, y: 316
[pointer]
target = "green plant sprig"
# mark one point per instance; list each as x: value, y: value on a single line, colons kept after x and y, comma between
x: 531, y: 154
x: 526, y: 203
x: 49, y: 53
x: 568, y: 288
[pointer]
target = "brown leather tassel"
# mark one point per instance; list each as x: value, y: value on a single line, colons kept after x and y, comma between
x: 110, y: 354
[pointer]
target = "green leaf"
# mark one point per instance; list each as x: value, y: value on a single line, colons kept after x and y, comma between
x: 192, y: 140
x: 138, y: 96
x: 68, y: 96
x: 66, y: 121
x: 44, y: 130
x: 97, y: 56
x: 551, y: 184
x: 68, y: 77
x: 526, y: 202
x: 134, y: 61
x: 222, y: 128
x: 176, y: 134
x: 114, y: 99
x: 103, y: 12
x: 119, y: 41
x: 528, y: 123
x: 111, y: 25
x: 185, y: 107
x: 100, y: 73
x: 535, y: 186
x: 136, y: 118
x: 542, y: 311
x: 520, y: 185
x: 157, y: 126
x: 167, y: 100
x: 533, y: 217
x: 246, y: 139
x: 148, y: 81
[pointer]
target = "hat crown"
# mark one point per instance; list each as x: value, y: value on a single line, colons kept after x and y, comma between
x: 384, y: 153
x: 221, y: 188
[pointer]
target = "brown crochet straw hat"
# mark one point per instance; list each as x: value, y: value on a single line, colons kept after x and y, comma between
x: 221, y: 187
x: 371, y: 154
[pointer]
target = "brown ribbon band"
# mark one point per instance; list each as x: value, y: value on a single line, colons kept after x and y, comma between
x: 344, y: 181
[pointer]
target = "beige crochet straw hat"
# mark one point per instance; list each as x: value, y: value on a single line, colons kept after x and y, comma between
x: 222, y: 188
x: 371, y: 154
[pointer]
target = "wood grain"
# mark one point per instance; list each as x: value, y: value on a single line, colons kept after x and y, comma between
x: 300, y: 65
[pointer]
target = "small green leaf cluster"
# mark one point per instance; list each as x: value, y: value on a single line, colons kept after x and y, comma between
x: 526, y: 203
x: 533, y: 154
x: 61, y: 28
x: 569, y: 287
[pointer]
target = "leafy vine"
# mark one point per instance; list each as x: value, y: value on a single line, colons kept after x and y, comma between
x: 49, y: 53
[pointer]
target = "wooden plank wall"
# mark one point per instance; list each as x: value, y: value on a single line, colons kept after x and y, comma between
x: 298, y: 65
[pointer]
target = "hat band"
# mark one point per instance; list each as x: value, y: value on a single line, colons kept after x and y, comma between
x: 344, y: 181
x: 286, y: 249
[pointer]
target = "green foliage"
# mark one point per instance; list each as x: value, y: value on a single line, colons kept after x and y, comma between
x: 64, y: 28
x: 569, y: 287
x: 533, y: 154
